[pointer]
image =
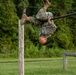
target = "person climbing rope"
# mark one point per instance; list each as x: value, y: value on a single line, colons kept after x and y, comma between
x: 43, y: 18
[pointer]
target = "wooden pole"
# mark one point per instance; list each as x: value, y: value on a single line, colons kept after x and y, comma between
x: 21, y: 49
x: 64, y: 62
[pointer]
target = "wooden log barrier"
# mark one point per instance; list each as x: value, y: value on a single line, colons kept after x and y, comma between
x: 65, y: 54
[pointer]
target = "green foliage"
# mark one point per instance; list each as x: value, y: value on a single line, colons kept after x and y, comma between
x: 54, y: 52
x: 64, y: 37
x: 31, y: 50
x: 43, y: 51
x: 8, y: 27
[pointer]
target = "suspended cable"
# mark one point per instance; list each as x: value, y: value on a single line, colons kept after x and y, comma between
x: 64, y: 16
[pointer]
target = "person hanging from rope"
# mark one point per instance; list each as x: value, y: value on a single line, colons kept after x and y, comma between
x: 43, y: 18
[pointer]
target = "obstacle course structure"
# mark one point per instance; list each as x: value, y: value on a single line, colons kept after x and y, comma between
x: 65, y: 54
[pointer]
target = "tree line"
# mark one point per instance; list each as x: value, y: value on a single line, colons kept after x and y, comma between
x: 63, y: 39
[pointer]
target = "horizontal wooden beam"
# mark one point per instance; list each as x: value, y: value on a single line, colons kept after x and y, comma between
x: 70, y: 54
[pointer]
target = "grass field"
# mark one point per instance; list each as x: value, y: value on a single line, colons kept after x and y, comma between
x: 41, y: 66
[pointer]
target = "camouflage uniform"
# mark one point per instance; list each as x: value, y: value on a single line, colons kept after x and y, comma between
x: 47, y: 28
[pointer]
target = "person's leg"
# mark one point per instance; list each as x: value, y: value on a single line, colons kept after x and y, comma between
x: 24, y: 18
x: 46, y: 4
x: 32, y: 20
x: 41, y: 15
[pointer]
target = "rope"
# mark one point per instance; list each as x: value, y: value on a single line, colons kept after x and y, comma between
x: 64, y: 16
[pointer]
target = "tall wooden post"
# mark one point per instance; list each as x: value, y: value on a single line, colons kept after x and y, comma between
x: 21, y: 49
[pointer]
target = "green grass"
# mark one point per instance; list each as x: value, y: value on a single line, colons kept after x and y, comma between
x: 53, y: 67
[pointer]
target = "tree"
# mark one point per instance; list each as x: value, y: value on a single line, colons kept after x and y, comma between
x: 8, y: 25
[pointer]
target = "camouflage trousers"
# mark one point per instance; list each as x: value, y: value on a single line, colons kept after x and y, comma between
x: 43, y: 15
x: 47, y: 28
